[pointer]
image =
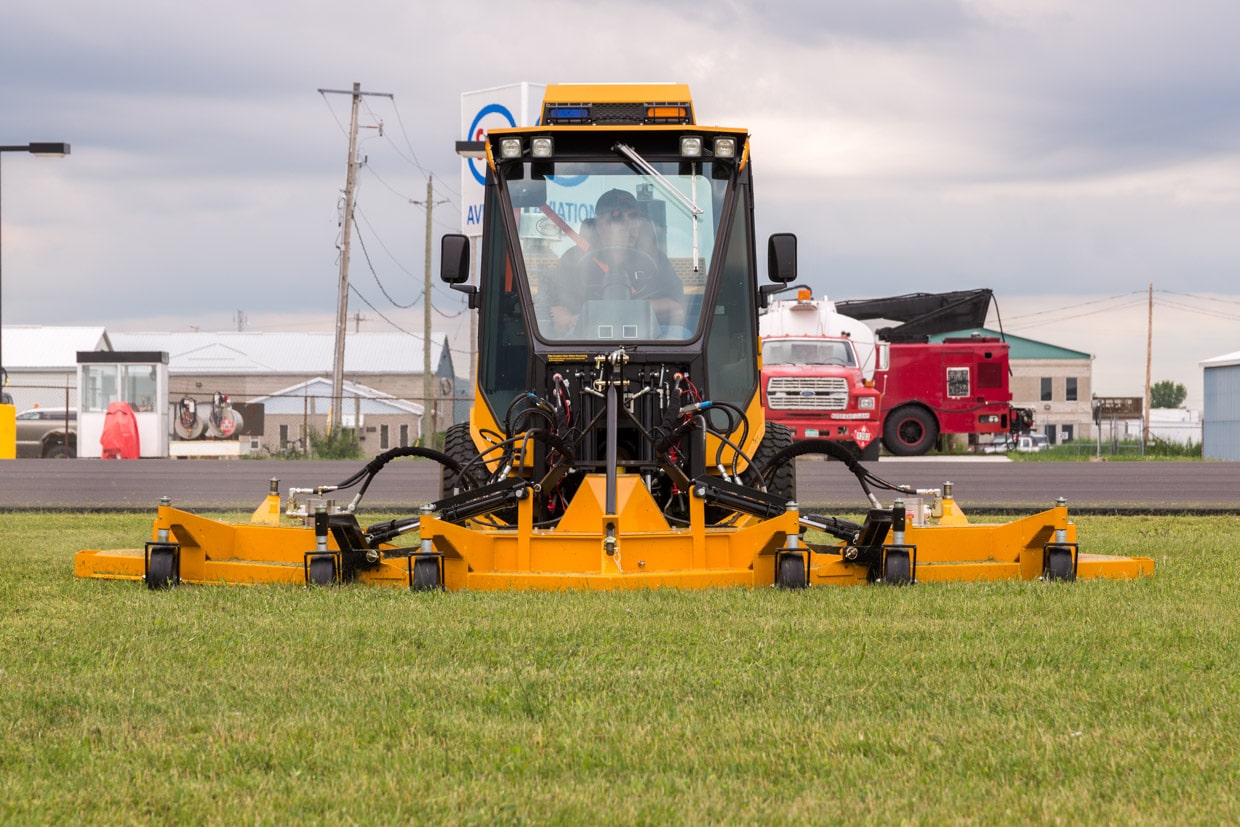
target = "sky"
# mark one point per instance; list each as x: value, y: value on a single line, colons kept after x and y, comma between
x: 1067, y: 155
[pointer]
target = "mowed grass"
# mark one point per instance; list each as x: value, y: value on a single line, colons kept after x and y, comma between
x: 1093, y: 702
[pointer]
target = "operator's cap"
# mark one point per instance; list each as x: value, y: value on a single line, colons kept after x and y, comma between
x: 615, y: 204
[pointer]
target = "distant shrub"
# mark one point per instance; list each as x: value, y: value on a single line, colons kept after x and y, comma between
x: 339, y: 444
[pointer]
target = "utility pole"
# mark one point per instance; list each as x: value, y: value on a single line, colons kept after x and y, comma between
x: 428, y: 402
x: 1149, y: 353
x: 342, y: 299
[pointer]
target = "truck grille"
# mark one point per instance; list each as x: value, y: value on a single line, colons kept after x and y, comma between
x: 807, y: 393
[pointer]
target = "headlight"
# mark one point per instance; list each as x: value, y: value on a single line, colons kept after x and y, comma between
x: 725, y: 147
x: 690, y: 146
x: 866, y: 403
x: 510, y: 148
x: 541, y: 147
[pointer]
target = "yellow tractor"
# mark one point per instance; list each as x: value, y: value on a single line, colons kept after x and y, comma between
x: 616, y: 438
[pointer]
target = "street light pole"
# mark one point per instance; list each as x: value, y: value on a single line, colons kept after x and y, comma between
x: 52, y: 150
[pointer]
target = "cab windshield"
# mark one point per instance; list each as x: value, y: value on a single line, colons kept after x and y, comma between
x: 617, y: 253
x: 808, y: 352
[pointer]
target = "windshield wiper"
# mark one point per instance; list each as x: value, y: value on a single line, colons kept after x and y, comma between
x: 668, y: 188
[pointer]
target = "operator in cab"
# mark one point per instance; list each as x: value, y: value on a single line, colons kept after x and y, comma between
x: 617, y: 257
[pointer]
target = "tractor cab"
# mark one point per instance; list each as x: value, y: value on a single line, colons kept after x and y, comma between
x: 618, y: 243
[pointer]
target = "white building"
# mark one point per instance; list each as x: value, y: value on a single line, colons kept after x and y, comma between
x: 1221, y: 433
x: 42, y: 363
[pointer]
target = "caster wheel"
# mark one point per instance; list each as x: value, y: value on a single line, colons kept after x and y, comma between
x: 791, y: 573
x: 322, y: 570
x: 426, y: 574
x: 161, y: 569
x: 898, y: 569
x: 1059, y: 564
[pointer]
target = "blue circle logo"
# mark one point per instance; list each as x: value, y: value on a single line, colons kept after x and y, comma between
x: 477, y: 132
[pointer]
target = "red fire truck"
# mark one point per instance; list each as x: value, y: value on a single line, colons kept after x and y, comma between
x: 818, y: 370
x: 957, y: 386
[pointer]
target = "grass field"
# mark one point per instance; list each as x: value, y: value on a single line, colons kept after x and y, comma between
x: 1086, y: 703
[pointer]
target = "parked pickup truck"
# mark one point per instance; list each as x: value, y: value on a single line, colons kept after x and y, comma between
x: 41, y: 432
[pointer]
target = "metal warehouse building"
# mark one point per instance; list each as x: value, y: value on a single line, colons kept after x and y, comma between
x: 1221, y: 417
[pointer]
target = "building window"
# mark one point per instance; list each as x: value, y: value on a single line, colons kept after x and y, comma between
x: 283, y: 437
x: 1069, y: 391
x: 383, y: 437
x: 404, y: 436
x: 1066, y: 433
x: 1046, y: 389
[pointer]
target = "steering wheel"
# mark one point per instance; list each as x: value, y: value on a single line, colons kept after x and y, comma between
x: 620, y: 261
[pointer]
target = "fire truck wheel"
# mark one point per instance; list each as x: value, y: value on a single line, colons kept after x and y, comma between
x: 870, y: 452
x: 910, y: 431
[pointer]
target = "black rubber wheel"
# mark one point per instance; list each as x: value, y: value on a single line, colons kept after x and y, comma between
x: 871, y: 451
x: 322, y: 570
x: 459, y: 445
x: 56, y: 450
x: 910, y: 431
x: 426, y: 574
x: 791, y: 572
x: 161, y: 569
x: 783, y: 481
x: 1059, y: 564
x: 898, y: 570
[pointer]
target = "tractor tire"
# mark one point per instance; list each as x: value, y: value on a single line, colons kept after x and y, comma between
x: 783, y: 482
x: 458, y: 444
x: 910, y: 431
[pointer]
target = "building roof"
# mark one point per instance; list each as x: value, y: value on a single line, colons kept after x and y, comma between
x: 45, y: 347
x: 1225, y: 361
x: 1018, y: 346
x: 292, y: 353
x: 357, y: 399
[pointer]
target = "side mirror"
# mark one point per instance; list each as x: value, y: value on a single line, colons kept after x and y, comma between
x: 454, y: 258
x: 454, y: 265
x: 781, y: 258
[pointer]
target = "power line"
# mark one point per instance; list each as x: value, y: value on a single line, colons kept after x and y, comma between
x: 1074, y: 306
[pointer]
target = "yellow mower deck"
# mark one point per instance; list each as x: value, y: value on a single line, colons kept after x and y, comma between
x: 647, y: 552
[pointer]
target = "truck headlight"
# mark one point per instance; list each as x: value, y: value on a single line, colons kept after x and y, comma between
x: 866, y: 403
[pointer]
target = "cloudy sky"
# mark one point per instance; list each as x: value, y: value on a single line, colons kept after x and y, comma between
x: 1066, y: 154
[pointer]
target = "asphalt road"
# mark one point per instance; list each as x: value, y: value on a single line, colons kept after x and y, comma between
x: 979, y: 483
